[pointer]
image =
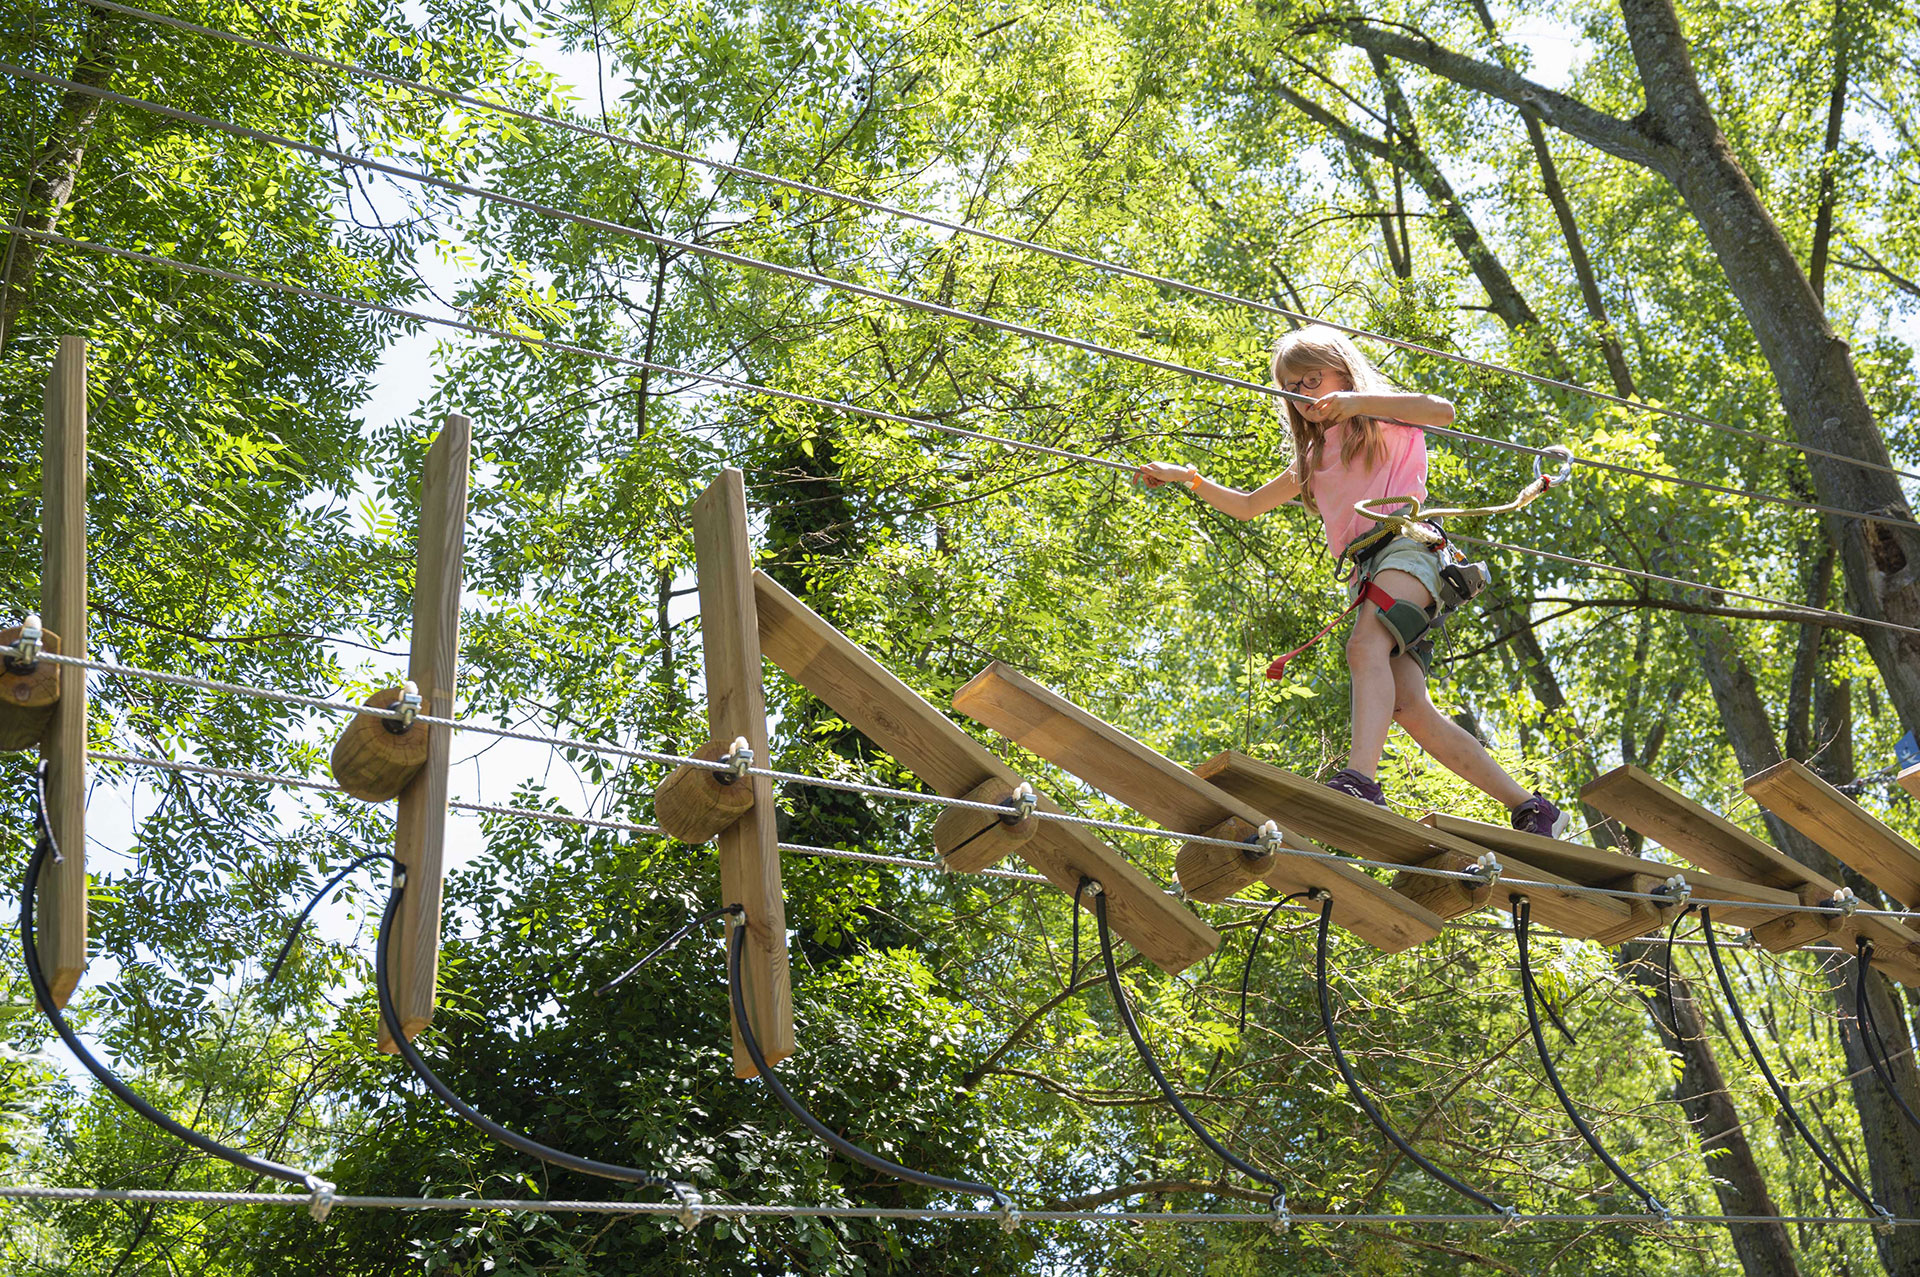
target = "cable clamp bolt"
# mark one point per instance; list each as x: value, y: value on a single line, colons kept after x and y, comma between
x: 25, y: 653
x: 1268, y: 838
x: 1883, y: 1222
x: 1009, y: 1218
x: 1487, y: 869
x: 1676, y: 890
x: 320, y: 1205
x: 1661, y: 1214
x: 1510, y: 1217
x: 1845, y: 901
x: 738, y: 760
x: 406, y: 709
x: 1020, y: 804
x: 1282, y: 1217
x: 692, y: 1209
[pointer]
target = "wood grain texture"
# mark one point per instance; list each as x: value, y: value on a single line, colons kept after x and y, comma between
x: 959, y: 831
x: 374, y: 763
x: 1858, y: 838
x: 420, y: 823
x: 1340, y: 820
x: 910, y: 728
x: 736, y: 707
x: 694, y: 804
x: 1110, y: 760
x: 1909, y: 780
x: 27, y: 697
x: 62, y: 910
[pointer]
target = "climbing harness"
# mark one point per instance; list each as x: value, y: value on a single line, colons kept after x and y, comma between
x: 1522, y: 920
x: 46, y: 848
x: 1360, y: 1097
x: 1461, y: 581
x: 737, y: 990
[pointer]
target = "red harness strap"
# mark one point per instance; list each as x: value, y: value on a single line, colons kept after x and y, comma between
x: 1370, y: 592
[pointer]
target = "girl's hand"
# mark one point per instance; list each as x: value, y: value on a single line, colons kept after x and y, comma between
x: 1155, y: 473
x: 1335, y: 405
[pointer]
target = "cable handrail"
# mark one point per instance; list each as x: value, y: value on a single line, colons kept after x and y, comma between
x: 977, y: 232
x: 815, y: 278
x: 857, y: 409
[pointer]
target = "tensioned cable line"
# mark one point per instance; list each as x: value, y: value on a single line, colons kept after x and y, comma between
x: 888, y: 792
x: 976, y: 232
x: 856, y: 409
x: 804, y: 849
x: 748, y: 262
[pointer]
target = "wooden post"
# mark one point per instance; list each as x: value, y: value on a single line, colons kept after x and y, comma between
x: 63, y: 608
x: 736, y: 707
x: 420, y: 828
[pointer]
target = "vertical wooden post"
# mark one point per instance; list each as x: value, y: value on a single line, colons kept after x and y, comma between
x: 736, y: 706
x: 420, y: 827
x: 63, y: 609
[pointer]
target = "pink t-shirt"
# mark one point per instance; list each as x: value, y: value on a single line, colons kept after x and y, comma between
x: 1336, y: 485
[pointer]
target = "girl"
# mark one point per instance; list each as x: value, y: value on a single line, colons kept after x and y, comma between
x: 1344, y: 452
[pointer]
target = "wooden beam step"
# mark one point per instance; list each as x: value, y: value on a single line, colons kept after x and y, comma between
x: 1110, y: 760
x: 1855, y: 836
x: 930, y: 745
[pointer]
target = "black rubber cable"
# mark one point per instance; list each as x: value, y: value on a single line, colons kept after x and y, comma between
x: 512, y: 1139
x: 1123, y: 1007
x: 1876, y: 1046
x: 1367, y: 1106
x: 680, y: 933
x: 1546, y: 1004
x: 1522, y: 924
x: 46, y: 846
x: 293, y: 933
x: 1766, y: 1071
x: 736, y: 985
x: 1673, y: 1010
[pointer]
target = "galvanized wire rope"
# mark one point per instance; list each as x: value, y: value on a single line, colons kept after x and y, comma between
x: 976, y: 232
x: 1811, y: 613
x: 814, y: 278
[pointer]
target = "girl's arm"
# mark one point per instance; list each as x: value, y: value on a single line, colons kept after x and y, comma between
x: 1414, y: 410
x: 1233, y: 501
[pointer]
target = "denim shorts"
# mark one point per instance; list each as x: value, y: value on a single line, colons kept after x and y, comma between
x: 1404, y: 554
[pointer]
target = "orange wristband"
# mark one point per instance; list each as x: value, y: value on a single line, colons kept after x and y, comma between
x: 1193, y: 478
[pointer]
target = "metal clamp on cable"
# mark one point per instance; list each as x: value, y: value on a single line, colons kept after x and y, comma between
x: 692, y: 1209
x: 1268, y: 838
x: 1676, y: 890
x: 1019, y: 804
x: 1662, y: 1214
x: 1883, y: 1222
x: 1282, y: 1217
x: 406, y: 709
x: 1510, y: 1217
x: 1487, y: 869
x: 1845, y: 901
x: 1009, y: 1217
x: 738, y: 760
x: 24, y: 655
x: 321, y: 1203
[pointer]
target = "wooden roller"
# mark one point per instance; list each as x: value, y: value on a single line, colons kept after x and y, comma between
x: 973, y: 840
x: 376, y: 757
x: 28, y: 691
x: 1210, y: 873
x: 1448, y: 897
x: 694, y: 804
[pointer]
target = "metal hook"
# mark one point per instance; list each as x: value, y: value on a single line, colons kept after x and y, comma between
x: 320, y: 1204
x: 692, y: 1209
x: 1566, y: 463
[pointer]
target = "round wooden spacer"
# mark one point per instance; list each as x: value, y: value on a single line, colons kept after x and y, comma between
x: 969, y: 841
x: 27, y: 698
x: 1208, y: 873
x: 371, y: 760
x: 694, y: 804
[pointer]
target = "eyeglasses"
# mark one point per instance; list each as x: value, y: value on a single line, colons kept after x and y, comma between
x: 1309, y: 382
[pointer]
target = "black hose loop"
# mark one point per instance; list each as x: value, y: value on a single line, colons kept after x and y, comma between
x: 1380, y: 1123
x: 313, y: 901
x: 1672, y: 1010
x: 1766, y: 1071
x: 1123, y: 1007
x: 511, y: 1138
x: 1875, y: 1045
x: 1522, y: 925
x: 680, y: 933
x: 737, y: 990
x: 47, y: 847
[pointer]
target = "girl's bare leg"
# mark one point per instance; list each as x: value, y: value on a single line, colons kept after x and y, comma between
x: 1451, y: 745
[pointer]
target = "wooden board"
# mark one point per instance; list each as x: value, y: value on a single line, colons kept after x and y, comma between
x: 1112, y: 761
x: 1362, y: 829
x: 736, y: 706
x: 1598, y: 868
x: 420, y: 821
x: 931, y: 746
x: 1909, y: 780
x: 62, y: 913
x: 1688, y: 829
x: 1835, y: 822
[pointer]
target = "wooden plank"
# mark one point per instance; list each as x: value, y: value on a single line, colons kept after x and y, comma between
x: 1110, y: 760
x: 1362, y: 829
x: 736, y: 707
x: 1688, y: 829
x: 904, y: 724
x: 1595, y: 867
x: 1909, y: 779
x: 420, y: 822
x: 1835, y: 822
x: 63, y: 609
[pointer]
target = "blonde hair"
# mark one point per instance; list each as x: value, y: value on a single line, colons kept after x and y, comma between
x: 1318, y: 346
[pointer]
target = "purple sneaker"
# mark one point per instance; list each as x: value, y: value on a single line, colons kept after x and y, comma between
x: 1539, y: 816
x: 1354, y: 785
